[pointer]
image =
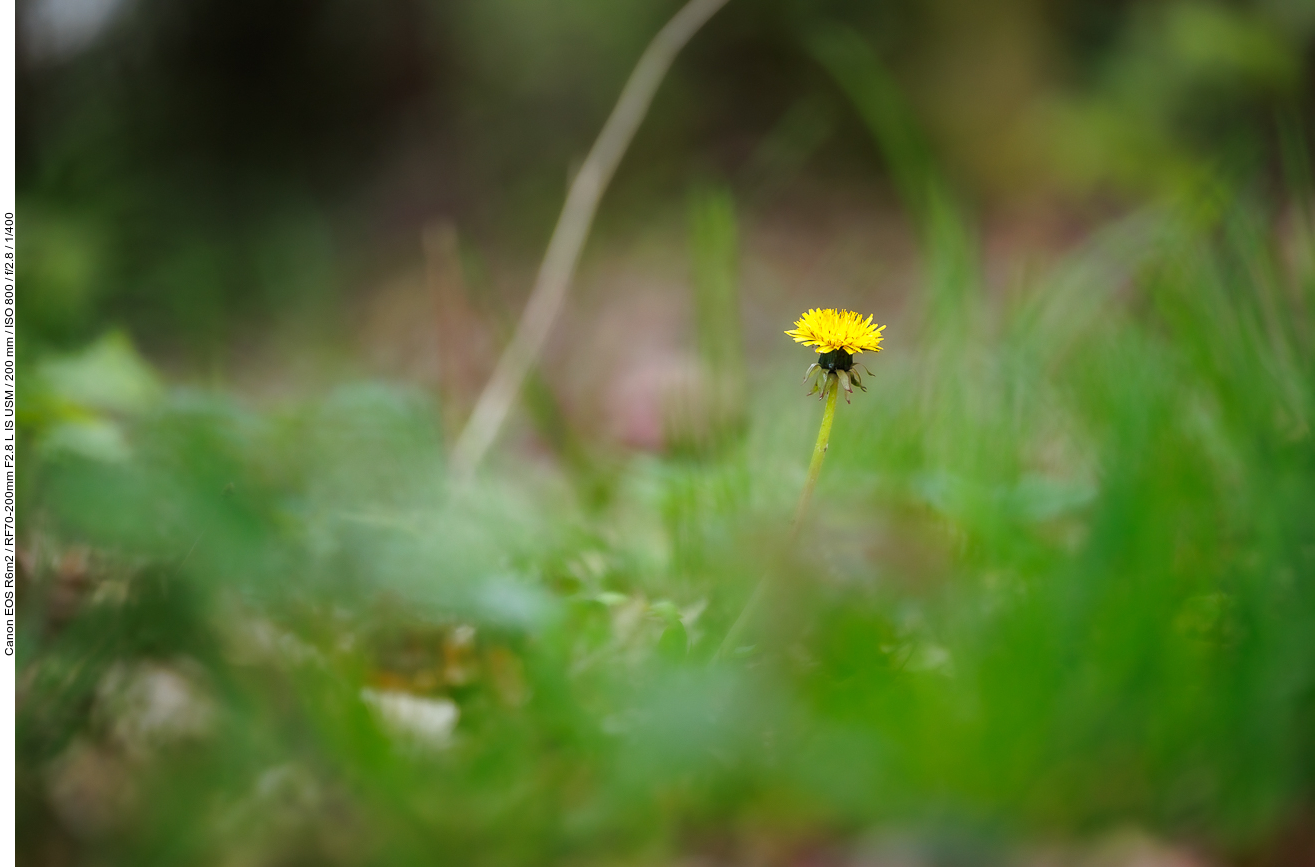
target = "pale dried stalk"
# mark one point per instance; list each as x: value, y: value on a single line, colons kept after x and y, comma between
x: 563, y: 254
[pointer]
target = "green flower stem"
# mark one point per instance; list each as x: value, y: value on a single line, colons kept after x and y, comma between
x: 819, y: 452
x: 814, y: 470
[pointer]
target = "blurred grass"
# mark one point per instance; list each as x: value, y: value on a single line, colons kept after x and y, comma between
x: 1057, y: 581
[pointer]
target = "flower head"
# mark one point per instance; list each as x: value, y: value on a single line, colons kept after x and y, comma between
x: 829, y: 330
x: 839, y: 335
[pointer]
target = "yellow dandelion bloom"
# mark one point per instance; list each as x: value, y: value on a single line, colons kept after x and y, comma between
x: 830, y: 330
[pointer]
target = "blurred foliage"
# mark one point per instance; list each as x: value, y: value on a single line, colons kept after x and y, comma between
x: 1173, y: 103
x: 1057, y: 581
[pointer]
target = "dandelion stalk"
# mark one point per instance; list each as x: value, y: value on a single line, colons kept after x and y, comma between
x: 814, y: 470
x: 819, y: 452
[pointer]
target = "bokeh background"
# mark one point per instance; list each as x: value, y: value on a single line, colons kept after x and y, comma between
x: 1053, y: 604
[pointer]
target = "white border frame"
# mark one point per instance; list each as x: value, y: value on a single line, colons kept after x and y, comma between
x: 8, y: 228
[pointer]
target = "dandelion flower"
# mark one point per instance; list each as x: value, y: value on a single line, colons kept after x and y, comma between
x: 838, y: 336
x: 829, y: 330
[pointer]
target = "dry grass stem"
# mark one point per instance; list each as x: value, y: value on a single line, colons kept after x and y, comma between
x: 563, y: 254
